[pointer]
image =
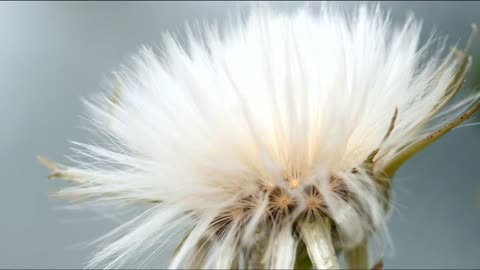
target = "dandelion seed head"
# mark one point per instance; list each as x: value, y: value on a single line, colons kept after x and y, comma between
x: 254, y: 131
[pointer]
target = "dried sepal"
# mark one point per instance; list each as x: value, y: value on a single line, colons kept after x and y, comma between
x: 58, y: 172
x: 405, y: 154
x: 390, y: 169
x: 464, y: 63
x: 370, y: 159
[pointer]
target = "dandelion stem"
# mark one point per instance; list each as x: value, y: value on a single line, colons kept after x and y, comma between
x: 357, y: 258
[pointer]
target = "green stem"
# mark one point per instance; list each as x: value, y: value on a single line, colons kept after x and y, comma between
x: 357, y: 258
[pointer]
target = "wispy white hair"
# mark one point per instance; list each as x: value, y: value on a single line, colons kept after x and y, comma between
x: 256, y: 136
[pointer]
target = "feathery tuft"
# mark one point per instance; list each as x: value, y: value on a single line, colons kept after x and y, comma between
x: 280, y: 131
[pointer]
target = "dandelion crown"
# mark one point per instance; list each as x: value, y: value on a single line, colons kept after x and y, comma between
x: 271, y: 142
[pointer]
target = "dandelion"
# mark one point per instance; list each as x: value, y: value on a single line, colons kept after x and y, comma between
x: 271, y: 142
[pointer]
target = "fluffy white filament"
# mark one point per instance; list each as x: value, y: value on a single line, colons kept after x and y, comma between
x: 249, y: 134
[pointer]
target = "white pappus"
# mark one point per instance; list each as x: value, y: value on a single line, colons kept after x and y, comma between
x: 277, y: 133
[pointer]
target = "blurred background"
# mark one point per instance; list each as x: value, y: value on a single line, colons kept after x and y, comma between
x: 54, y: 53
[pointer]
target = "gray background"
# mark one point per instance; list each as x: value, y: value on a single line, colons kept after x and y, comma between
x: 53, y: 53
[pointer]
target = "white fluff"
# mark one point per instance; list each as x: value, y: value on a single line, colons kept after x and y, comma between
x: 251, y: 129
